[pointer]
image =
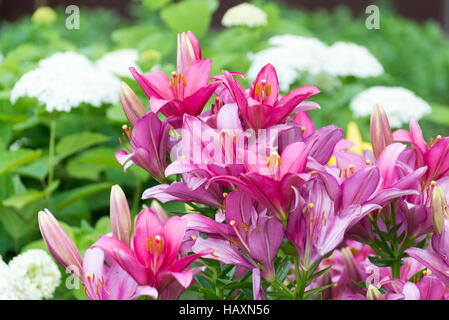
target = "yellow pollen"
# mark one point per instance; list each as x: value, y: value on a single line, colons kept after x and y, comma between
x: 225, y: 194
x: 173, y: 74
x: 194, y: 238
x: 424, y: 272
x: 313, y: 171
x: 351, y: 166
x: 257, y: 90
x: 88, y: 275
x: 223, y: 131
x: 150, y: 244
x: 232, y: 223
x: 157, y: 238
x: 263, y: 81
x: 268, y: 90
x: 310, y: 205
x: 303, y: 129
x: 367, y: 161
x: 124, y: 127
x: 184, y: 81
x: 433, y: 182
x: 214, y: 255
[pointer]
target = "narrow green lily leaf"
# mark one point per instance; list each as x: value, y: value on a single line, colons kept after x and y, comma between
x: 76, y: 142
x: 12, y: 159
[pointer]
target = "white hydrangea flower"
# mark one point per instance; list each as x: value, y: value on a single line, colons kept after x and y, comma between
x: 350, y: 59
x: 290, y: 55
x: 244, y: 14
x: 34, y: 274
x: 118, y: 62
x: 7, y: 291
x: 400, y: 104
x: 65, y: 80
x: 294, y: 55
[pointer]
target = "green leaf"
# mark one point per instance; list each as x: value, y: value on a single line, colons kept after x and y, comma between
x: 115, y: 113
x: 37, y: 169
x: 20, y: 200
x: 153, y: 5
x: 12, y: 159
x: 82, y: 170
x: 309, y: 294
x: 5, y: 134
x: 439, y: 114
x: 77, y: 142
x: 65, y: 199
x: 193, y: 15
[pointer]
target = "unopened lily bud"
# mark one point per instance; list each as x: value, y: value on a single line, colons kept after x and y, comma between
x: 438, y: 209
x: 189, y: 50
x: 380, y: 131
x: 132, y: 106
x: 159, y: 211
x: 373, y: 293
x: 120, y: 215
x: 59, y: 243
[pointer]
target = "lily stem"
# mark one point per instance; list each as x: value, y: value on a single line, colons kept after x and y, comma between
x: 51, y: 151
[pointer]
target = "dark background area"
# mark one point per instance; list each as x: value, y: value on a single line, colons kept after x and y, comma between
x: 413, y: 9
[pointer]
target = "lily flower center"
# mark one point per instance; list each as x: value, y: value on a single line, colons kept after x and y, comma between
x: 127, y: 137
x: 262, y: 91
x: 95, y: 284
x: 274, y: 163
x: 177, y: 85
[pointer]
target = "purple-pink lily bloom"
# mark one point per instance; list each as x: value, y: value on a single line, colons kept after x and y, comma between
x: 102, y: 278
x: 148, y: 145
x: 262, y: 107
x: 154, y: 259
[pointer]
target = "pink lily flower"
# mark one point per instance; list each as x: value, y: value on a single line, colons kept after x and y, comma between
x: 189, y: 51
x: 103, y: 279
x: 188, y: 91
x: 262, y: 107
x: 436, y: 259
x: 315, y: 226
x: 432, y: 155
x: 104, y: 282
x: 414, y: 283
x: 153, y: 260
x: 250, y: 237
x: 274, y: 190
x: 148, y: 145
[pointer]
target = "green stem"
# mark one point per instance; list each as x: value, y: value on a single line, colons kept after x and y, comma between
x: 396, y: 269
x: 298, y: 278
x: 303, y: 284
x: 51, y: 151
x: 282, y: 288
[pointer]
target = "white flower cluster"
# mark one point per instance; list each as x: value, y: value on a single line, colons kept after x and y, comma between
x: 294, y: 55
x: 30, y: 276
x: 244, y: 14
x: 65, y: 80
x: 400, y: 104
x: 350, y: 59
x: 118, y: 62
